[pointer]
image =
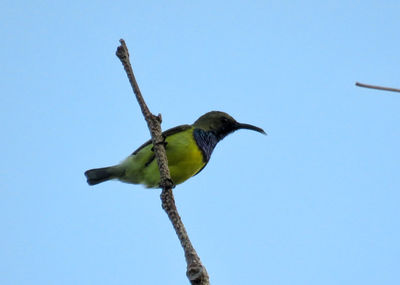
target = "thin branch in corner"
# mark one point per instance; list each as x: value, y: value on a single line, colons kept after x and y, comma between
x: 377, y: 87
x: 195, y: 271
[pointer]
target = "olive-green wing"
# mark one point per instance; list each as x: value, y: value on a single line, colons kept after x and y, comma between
x: 165, y: 134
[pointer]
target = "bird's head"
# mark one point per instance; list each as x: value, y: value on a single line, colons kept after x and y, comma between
x: 222, y: 124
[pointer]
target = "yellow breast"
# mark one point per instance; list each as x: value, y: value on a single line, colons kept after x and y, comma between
x: 184, y: 157
x: 184, y: 160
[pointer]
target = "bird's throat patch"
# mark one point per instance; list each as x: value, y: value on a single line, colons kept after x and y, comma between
x: 206, y: 141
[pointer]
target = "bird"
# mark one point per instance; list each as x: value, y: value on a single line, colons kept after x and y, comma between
x: 188, y: 149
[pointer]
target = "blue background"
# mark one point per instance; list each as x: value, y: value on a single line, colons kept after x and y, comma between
x: 314, y: 202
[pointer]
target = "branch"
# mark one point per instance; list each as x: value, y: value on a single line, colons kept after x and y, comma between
x: 377, y: 87
x: 196, y: 272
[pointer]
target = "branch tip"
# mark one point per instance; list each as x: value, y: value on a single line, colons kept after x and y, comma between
x: 377, y: 87
x: 159, y: 118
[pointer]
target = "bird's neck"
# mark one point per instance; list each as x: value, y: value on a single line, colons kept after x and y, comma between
x: 206, y: 141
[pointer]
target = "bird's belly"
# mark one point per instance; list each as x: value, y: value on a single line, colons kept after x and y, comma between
x: 184, y: 163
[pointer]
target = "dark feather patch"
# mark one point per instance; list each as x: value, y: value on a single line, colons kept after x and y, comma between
x: 206, y: 141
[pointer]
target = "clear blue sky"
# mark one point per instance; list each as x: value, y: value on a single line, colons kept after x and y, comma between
x: 314, y: 202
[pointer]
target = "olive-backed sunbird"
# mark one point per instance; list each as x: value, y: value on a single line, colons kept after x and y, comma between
x: 188, y: 149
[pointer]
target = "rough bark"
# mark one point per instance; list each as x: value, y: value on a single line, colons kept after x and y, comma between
x: 196, y: 272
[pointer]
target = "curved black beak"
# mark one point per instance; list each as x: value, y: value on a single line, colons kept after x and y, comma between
x: 250, y: 127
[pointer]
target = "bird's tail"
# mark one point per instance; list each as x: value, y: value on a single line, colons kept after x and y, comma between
x: 98, y: 175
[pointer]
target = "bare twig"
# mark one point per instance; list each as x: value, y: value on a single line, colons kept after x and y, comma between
x: 377, y: 87
x: 196, y: 272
